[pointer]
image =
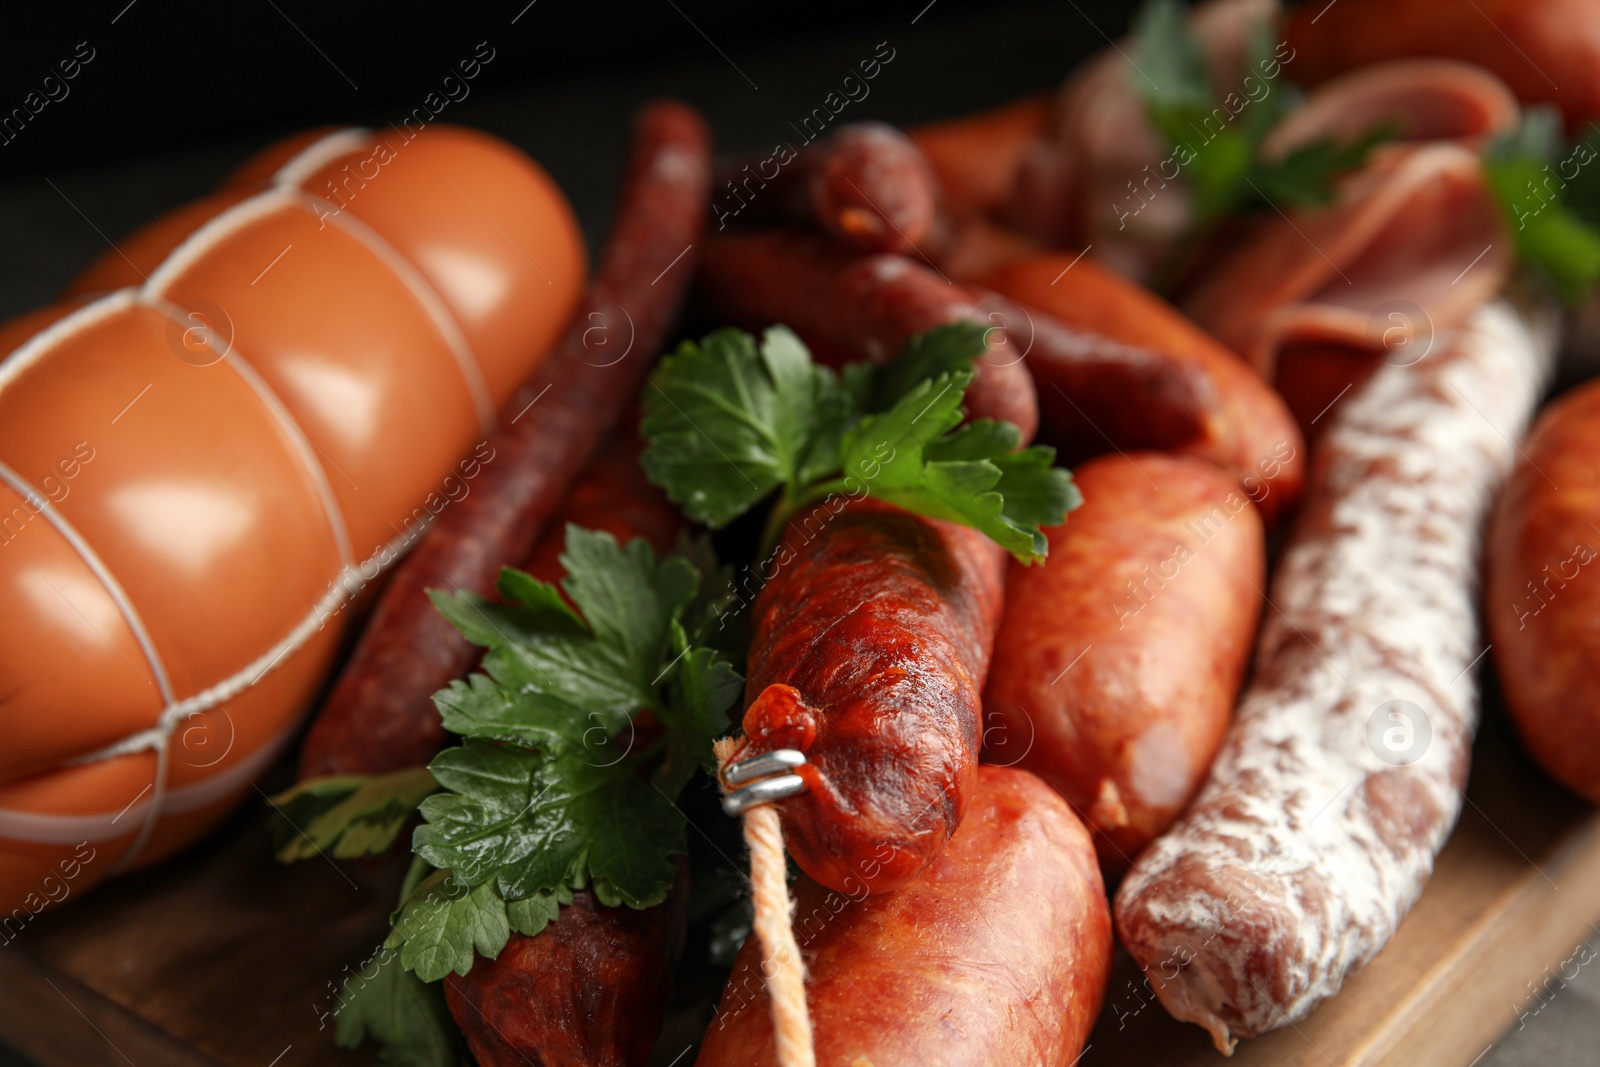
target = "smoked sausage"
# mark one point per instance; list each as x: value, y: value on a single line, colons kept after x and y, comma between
x: 1244, y: 425
x: 865, y: 184
x: 1542, y: 596
x: 589, y: 990
x: 380, y: 715
x: 1119, y: 660
x: 1340, y: 778
x: 872, y: 640
x: 856, y: 307
x: 997, y: 954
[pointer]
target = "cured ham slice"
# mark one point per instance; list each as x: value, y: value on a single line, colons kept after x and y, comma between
x: 1411, y: 244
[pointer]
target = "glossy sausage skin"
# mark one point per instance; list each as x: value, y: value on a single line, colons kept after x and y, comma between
x: 1236, y: 420
x: 871, y: 645
x: 589, y: 991
x: 865, y: 184
x: 380, y: 716
x: 977, y: 158
x: 997, y: 954
x: 853, y: 307
x: 1542, y: 597
x: 1119, y: 660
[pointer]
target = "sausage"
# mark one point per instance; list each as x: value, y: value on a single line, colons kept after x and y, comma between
x: 272, y: 398
x: 1341, y: 776
x: 380, y: 716
x: 612, y: 495
x: 865, y: 184
x: 999, y: 953
x: 1544, y: 51
x: 1244, y: 425
x: 590, y: 990
x: 1119, y: 660
x: 871, y: 644
x: 1542, y: 598
x: 976, y: 159
x: 847, y: 307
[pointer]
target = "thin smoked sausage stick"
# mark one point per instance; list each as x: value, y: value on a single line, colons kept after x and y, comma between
x: 380, y: 716
x: 1341, y: 776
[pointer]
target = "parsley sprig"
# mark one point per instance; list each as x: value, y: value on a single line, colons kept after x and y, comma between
x: 731, y: 423
x: 1550, y: 192
x: 551, y: 789
x: 1216, y: 133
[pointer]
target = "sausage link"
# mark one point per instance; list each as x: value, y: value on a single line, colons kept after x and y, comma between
x: 1236, y: 421
x: 865, y: 184
x: 590, y: 990
x: 1119, y: 660
x: 848, y: 307
x: 1341, y: 776
x: 1543, y: 591
x: 871, y: 645
x: 977, y: 158
x: 379, y: 716
x: 998, y: 954
x: 612, y: 495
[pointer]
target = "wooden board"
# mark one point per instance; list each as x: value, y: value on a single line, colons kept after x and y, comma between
x: 225, y: 957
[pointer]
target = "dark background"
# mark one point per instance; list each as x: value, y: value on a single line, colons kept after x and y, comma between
x: 179, y: 92
x: 176, y: 73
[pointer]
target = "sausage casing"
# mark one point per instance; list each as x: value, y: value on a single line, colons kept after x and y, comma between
x: 871, y: 645
x: 1542, y: 594
x: 1119, y: 660
x: 1341, y: 775
x: 996, y: 954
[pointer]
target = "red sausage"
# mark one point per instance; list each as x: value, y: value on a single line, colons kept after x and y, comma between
x: 997, y: 954
x: 380, y: 716
x: 612, y: 495
x: 589, y: 991
x: 1542, y: 598
x: 1119, y: 660
x: 871, y: 644
x: 866, y: 184
x: 847, y: 307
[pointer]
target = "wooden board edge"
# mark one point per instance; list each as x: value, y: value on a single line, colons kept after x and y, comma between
x: 1453, y: 1024
x: 87, y: 1030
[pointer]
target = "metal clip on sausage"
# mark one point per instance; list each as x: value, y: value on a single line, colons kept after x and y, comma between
x: 763, y: 787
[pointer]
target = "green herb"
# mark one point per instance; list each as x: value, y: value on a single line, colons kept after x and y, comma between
x: 1551, y: 196
x: 348, y: 815
x: 730, y: 423
x: 548, y: 793
x: 404, y: 1014
x: 1216, y: 135
x: 392, y: 1006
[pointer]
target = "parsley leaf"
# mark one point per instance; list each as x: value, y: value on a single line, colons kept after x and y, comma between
x: 443, y: 920
x: 926, y: 356
x: 870, y: 428
x: 1216, y: 136
x: 399, y: 1010
x: 1550, y: 200
x: 910, y: 458
x: 729, y: 423
x: 545, y: 794
x: 348, y: 815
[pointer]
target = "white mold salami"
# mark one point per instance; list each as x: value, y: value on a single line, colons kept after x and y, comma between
x: 1340, y: 779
